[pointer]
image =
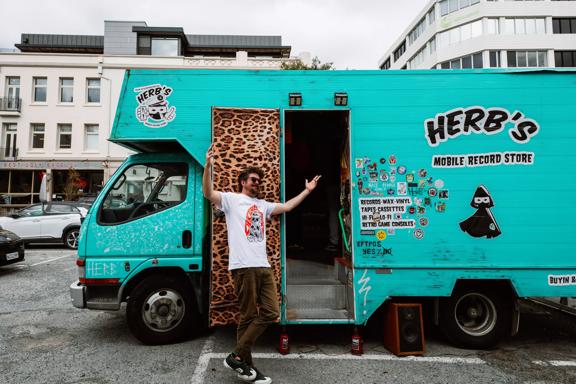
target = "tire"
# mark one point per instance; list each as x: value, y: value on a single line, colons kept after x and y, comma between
x: 476, y: 317
x: 71, y: 237
x: 162, y: 310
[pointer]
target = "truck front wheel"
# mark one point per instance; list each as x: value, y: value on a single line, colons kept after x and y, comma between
x: 476, y: 317
x: 161, y: 310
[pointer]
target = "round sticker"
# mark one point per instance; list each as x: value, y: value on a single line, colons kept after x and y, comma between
x: 383, y: 176
x: 412, y: 210
x: 419, y: 234
x: 358, y: 173
x: 423, y: 221
x: 432, y: 192
x: 401, y: 170
x: 422, y: 173
x: 439, y: 183
x: 382, y: 160
x: 392, y: 160
x: 381, y: 235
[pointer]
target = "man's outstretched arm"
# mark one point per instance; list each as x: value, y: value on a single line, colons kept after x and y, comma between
x: 207, y: 187
x: 295, y: 201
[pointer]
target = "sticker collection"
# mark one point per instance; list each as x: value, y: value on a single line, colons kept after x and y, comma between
x: 393, y: 198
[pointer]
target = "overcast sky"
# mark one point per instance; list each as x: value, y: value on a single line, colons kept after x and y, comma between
x: 351, y: 34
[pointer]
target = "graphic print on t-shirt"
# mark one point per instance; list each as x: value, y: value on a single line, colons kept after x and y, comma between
x: 254, y: 224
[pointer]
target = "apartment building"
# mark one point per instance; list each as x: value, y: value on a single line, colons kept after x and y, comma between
x: 453, y: 34
x: 58, y: 98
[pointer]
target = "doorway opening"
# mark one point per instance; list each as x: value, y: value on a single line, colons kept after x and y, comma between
x: 318, y: 257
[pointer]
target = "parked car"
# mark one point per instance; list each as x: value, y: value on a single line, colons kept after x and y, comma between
x: 47, y: 223
x: 11, y: 248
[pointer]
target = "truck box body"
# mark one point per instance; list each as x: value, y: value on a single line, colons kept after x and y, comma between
x: 452, y: 175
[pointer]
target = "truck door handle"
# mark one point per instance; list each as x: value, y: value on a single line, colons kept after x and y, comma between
x: 186, y: 239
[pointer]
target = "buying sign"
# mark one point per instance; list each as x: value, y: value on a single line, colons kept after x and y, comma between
x: 153, y: 108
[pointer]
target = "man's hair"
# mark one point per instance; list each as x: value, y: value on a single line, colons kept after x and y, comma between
x: 243, y: 176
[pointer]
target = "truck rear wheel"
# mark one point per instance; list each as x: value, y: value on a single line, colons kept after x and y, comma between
x: 161, y: 310
x: 476, y: 317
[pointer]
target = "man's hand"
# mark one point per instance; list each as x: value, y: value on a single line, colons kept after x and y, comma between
x: 210, y: 155
x: 312, y: 184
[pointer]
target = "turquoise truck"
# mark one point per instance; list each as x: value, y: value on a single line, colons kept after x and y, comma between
x: 450, y: 188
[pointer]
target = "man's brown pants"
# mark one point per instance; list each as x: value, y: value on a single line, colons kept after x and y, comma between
x: 258, y: 302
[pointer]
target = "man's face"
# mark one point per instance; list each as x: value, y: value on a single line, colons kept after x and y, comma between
x: 252, y: 184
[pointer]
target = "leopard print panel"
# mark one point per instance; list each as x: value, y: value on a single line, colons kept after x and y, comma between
x: 242, y: 138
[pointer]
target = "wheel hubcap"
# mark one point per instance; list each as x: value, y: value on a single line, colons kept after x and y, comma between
x: 475, y: 314
x: 163, y: 310
x: 72, y: 239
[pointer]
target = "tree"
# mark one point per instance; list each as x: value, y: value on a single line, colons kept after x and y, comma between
x: 299, y: 65
x: 71, y: 187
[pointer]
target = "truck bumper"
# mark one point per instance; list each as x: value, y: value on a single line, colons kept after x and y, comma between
x: 77, y: 294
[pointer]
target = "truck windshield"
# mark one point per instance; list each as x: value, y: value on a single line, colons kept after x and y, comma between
x: 144, y: 189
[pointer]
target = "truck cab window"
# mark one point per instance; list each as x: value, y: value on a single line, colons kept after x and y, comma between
x: 142, y: 190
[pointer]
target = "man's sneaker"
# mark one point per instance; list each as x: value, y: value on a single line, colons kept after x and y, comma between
x: 260, y: 378
x: 245, y: 372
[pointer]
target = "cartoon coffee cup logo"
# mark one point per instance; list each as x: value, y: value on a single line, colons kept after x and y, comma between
x: 482, y: 223
x: 153, y: 108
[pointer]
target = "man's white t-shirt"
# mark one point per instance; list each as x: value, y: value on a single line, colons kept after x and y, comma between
x: 246, y: 222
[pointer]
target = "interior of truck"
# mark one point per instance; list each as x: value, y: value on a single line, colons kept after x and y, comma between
x: 317, y: 233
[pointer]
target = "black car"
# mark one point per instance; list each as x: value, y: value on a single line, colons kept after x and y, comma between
x: 11, y: 248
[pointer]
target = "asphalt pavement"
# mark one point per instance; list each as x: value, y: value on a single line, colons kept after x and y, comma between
x: 44, y: 339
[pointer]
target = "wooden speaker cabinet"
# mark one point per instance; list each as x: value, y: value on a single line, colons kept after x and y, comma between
x: 404, y: 333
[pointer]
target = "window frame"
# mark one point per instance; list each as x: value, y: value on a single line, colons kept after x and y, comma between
x: 91, y: 87
x: 61, y: 87
x: 33, y: 132
x: 35, y: 86
x: 59, y: 134
x: 86, y: 134
x: 121, y: 173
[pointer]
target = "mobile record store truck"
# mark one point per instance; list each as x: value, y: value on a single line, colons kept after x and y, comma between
x: 451, y: 187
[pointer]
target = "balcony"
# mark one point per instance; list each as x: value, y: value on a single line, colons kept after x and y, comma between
x: 8, y: 153
x: 10, y: 106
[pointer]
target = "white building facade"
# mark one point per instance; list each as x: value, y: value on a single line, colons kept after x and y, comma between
x: 453, y: 34
x: 58, y: 100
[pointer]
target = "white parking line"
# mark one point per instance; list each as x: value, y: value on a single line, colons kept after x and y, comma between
x: 206, y: 355
x: 555, y: 363
x: 203, y: 360
x: 50, y: 260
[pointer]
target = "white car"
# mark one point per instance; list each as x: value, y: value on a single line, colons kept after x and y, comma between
x: 47, y: 223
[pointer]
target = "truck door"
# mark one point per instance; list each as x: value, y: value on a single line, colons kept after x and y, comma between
x: 242, y: 138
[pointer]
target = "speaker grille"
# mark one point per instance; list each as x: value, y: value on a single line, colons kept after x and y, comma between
x: 410, y: 329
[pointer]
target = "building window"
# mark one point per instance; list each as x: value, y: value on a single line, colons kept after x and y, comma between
x: 417, y: 31
x: 469, y: 61
x: 12, y: 92
x: 37, y: 136
x: 91, y: 137
x: 462, y: 33
x: 9, y: 139
x: 492, y: 26
x: 66, y: 90
x: 64, y: 136
x: 400, y: 51
x: 494, y: 59
x: 39, y: 92
x: 165, y: 46
x: 93, y: 90
x: 432, y: 45
x: 564, y: 25
x: 565, y: 58
x: 432, y: 15
x: 522, y: 59
x: 523, y: 26
x: 449, y: 6
x: 386, y: 64
x: 144, y: 45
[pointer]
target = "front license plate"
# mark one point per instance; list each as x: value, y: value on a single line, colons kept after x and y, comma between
x: 12, y: 256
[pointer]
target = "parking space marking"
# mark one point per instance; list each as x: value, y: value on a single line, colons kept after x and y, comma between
x: 206, y: 355
x: 203, y: 360
x: 555, y: 363
x: 50, y: 260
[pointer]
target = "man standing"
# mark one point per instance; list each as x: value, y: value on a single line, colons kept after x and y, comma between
x: 246, y: 217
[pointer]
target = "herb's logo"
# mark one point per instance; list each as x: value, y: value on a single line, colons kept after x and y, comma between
x: 153, y: 108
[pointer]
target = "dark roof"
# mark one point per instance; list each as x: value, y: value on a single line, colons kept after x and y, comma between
x: 61, y: 43
x: 240, y: 41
